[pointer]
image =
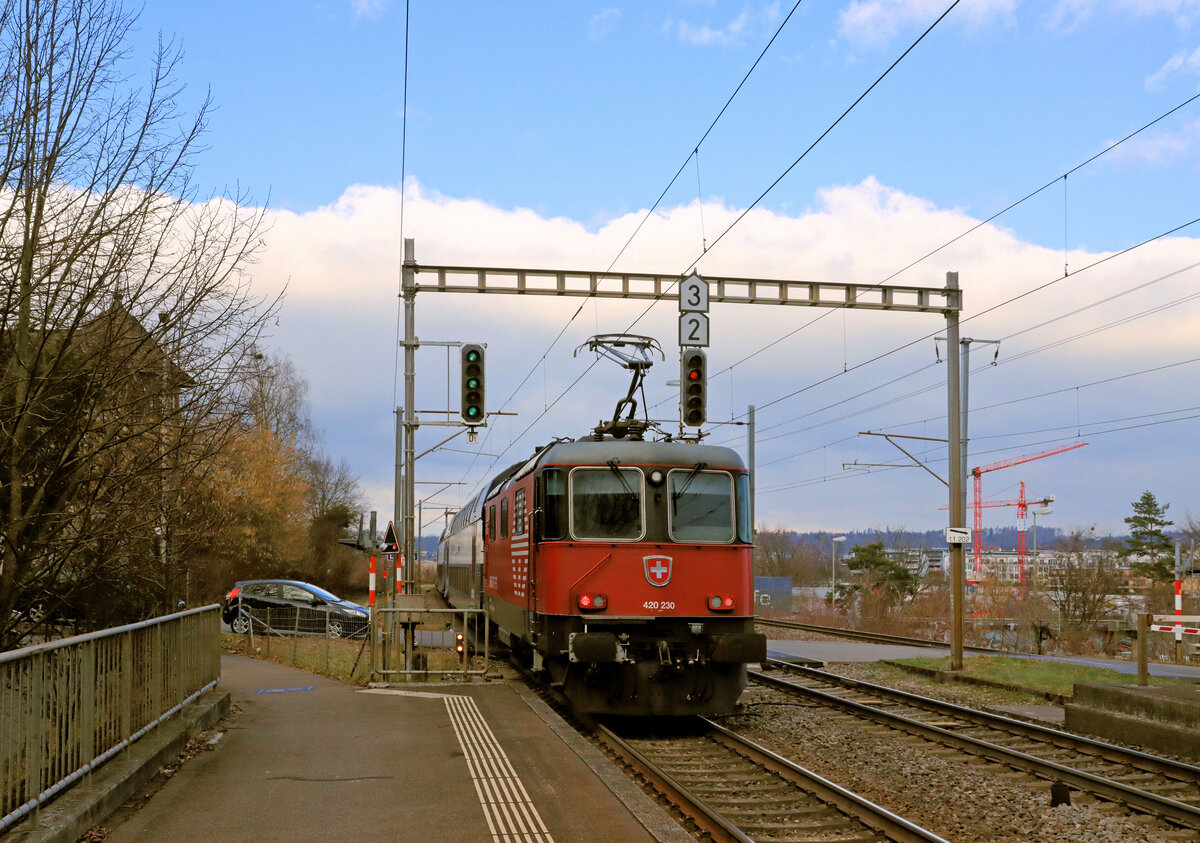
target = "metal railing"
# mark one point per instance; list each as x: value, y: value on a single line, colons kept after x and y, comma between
x: 68, y: 706
x: 417, y: 643
x: 320, y: 640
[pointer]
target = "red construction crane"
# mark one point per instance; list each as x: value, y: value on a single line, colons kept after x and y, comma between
x: 1022, y: 512
x: 1022, y: 532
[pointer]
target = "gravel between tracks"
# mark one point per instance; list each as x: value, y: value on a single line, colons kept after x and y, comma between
x: 956, y: 796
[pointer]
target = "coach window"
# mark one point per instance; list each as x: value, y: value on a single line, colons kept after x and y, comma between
x: 491, y: 536
x: 504, y: 518
x: 701, y: 505
x: 606, y: 504
x: 554, y: 516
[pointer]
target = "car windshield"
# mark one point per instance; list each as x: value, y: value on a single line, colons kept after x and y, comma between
x: 328, y: 597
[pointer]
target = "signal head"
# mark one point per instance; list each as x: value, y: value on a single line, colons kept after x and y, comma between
x: 471, y: 381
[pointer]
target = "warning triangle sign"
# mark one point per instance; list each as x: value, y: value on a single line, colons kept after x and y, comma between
x: 390, y: 543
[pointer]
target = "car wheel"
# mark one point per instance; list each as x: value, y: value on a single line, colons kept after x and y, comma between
x: 334, y: 630
x: 241, y: 624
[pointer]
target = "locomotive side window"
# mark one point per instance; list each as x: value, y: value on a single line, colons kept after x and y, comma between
x: 554, y: 518
x: 491, y: 536
x: 701, y: 505
x: 606, y: 504
x: 745, y: 522
x: 504, y: 518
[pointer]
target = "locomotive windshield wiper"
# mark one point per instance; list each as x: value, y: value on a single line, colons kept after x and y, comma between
x: 700, y: 466
x: 614, y: 465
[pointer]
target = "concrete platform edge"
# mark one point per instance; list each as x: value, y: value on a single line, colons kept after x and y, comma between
x: 1134, y: 731
x: 657, y: 822
x: 91, y: 801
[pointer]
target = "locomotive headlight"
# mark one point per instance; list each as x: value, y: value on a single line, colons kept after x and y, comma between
x: 656, y: 478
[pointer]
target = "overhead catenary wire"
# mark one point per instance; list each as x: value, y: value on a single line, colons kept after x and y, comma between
x: 972, y: 229
x: 1026, y: 445
x: 695, y: 153
x: 1049, y: 393
x: 756, y: 202
x: 927, y: 336
x: 1008, y: 358
x: 692, y: 264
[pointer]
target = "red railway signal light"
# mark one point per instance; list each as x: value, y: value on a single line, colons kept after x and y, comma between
x: 693, y: 387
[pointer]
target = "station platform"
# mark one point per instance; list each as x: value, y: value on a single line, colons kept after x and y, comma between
x: 307, y: 758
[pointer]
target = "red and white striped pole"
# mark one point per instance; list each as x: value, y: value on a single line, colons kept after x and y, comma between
x: 1178, y: 603
x: 371, y: 585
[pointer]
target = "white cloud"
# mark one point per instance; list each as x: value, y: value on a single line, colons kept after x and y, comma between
x: 1160, y: 148
x: 370, y: 9
x: 339, y: 323
x: 874, y: 23
x: 702, y: 35
x: 1189, y: 62
x: 602, y: 23
x: 1068, y: 14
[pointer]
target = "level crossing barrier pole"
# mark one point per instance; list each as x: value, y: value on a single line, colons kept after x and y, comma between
x: 1143, y: 641
x: 1178, y: 602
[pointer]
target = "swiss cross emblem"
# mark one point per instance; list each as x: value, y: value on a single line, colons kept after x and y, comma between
x: 658, y: 569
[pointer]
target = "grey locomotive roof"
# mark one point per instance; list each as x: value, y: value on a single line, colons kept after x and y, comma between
x: 640, y: 453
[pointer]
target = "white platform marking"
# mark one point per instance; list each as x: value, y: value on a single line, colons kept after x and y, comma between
x: 510, y: 814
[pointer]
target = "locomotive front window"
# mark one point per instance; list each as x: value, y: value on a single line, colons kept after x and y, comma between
x: 701, y: 506
x: 606, y: 504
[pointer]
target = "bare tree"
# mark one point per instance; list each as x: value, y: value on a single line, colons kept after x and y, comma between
x: 1082, y: 587
x: 784, y: 553
x: 128, y: 323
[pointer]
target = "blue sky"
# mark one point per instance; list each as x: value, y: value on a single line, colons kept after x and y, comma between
x: 539, y: 133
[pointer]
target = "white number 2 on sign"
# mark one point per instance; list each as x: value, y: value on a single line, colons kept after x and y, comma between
x: 693, y: 330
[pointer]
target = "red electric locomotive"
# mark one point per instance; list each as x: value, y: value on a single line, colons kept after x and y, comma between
x: 620, y: 566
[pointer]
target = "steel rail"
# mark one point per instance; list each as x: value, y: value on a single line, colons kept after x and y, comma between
x: 710, y: 818
x: 864, y: 810
x: 876, y: 637
x: 1150, y: 803
x: 1091, y: 746
x: 705, y: 817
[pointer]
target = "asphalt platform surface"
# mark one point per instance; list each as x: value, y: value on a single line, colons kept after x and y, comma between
x: 305, y: 758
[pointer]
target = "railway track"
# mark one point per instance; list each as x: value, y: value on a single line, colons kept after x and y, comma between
x: 729, y: 787
x: 735, y: 790
x: 874, y: 637
x: 1146, y: 783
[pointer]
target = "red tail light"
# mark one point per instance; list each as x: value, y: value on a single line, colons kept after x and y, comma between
x: 233, y: 593
x: 721, y: 602
x: 592, y: 602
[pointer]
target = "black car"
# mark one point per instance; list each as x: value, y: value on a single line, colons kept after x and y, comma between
x: 288, y: 606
